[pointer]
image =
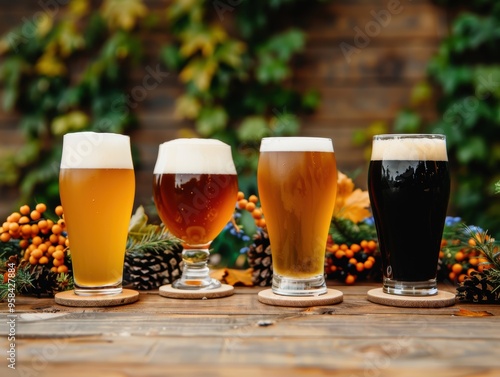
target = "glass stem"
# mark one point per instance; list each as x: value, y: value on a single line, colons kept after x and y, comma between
x: 195, y: 273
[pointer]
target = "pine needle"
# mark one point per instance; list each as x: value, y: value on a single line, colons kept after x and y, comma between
x: 152, y: 241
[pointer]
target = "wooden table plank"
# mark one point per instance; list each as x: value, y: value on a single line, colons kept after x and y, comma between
x: 240, y: 336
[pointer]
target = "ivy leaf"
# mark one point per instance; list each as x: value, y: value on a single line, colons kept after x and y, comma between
x: 252, y: 128
x: 474, y: 148
x: 421, y: 93
x: 200, y: 72
x: 211, y: 120
x: 171, y: 57
x: 407, y: 121
x: 201, y: 39
x: 230, y: 52
x: 50, y: 65
x: 73, y: 121
x: 284, y: 124
x: 486, y: 81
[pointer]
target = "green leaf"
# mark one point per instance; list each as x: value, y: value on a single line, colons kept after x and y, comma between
x: 170, y: 56
x: 284, y: 124
x: 211, y: 120
x: 252, y: 128
x: 407, y: 121
x: 474, y: 148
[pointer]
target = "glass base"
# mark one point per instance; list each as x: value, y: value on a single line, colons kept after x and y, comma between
x: 287, y: 286
x: 97, y: 291
x: 196, y: 284
x: 195, y: 272
x: 410, y: 288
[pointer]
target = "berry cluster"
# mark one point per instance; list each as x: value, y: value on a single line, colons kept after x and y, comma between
x: 42, y: 240
x: 349, y: 263
x: 250, y: 205
x: 462, y: 262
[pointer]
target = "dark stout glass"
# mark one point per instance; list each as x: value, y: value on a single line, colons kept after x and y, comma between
x: 409, y: 187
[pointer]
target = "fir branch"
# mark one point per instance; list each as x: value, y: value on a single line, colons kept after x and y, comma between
x: 22, y: 282
x: 490, y: 249
x: 152, y: 241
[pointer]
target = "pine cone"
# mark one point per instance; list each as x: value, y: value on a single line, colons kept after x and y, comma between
x: 150, y: 270
x: 478, y: 289
x: 44, y: 282
x: 260, y: 259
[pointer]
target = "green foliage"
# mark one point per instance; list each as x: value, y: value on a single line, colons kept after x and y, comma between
x: 46, y: 83
x: 466, y: 73
x: 236, y: 85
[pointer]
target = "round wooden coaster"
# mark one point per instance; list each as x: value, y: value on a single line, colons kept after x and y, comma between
x: 223, y: 291
x: 69, y: 298
x: 440, y: 300
x: 332, y: 296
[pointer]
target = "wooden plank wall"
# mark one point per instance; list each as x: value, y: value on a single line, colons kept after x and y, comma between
x: 370, y: 84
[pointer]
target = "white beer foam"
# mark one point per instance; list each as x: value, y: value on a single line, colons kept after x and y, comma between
x: 194, y: 156
x: 412, y: 149
x: 93, y: 150
x: 296, y: 144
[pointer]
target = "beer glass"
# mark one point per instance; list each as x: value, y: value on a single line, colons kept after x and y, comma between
x: 297, y: 182
x: 409, y: 187
x: 97, y: 187
x: 195, y: 188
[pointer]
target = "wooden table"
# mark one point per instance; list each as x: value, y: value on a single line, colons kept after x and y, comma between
x: 239, y: 336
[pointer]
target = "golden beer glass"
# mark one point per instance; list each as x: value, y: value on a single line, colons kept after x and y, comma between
x: 97, y: 188
x: 195, y: 187
x: 297, y: 182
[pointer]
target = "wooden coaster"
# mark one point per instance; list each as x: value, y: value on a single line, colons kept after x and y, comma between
x: 223, y: 291
x: 332, y: 296
x: 69, y: 298
x: 440, y: 300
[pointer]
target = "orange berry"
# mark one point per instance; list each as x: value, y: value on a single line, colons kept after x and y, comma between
x: 441, y: 255
x: 470, y: 271
x: 459, y: 256
x: 56, y: 229
x: 54, y: 238
x: 250, y: 206
x: 242, y: 203
x: 257, y: 213
x: 35, y: 229
x: 349, y: 253
x: 334, y: 247
x: 37, y: 240
x: 37, y: 253
x: 350, y: 279
x: 26, y: 230
x: 452, y: 275
x: 53, y: 269
x: 457, y: 268
x: 13, y: 227
x: 368, y: 264
x: 33, y: 260
x: 41, y: 207
x: 372, y: 245
x: 360, y: 266
x: 343, y: 247
x: 353, y: 261
x: 253, y: 198
x: 62, y: 269
x: 461, y: 278
x: 43, y: 260
x: 59, y: 254
x: 355, y: 247
x: 23, y: 244
x: 62, y: 240
x: 240, y: 195
x: 59, y: 210
x: 24, y: 220
x: 339, y: 254
x: 25, y: 209
x: 14, y: 217
x: 364, y: 244
x: 43, y: 224
x: 58, y: 262
x: 35, y: 215
x: 5, y: 237
x: 333, y: 268
x: 261, y: 223
x: 472, y: 242
x: 473, y: 261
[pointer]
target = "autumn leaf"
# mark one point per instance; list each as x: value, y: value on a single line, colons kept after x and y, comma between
x: 123, y: 13
x: 472, y: 313
x: 352, y: 204
x: 233, y: 276
x: 49, y: 65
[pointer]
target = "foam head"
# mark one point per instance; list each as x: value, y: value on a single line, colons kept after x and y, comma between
x: 409, y: 147
x: 194, y: 156
x: 296, y: 144
x: 91, y: 150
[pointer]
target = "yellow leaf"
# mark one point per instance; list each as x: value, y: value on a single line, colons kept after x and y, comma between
x: 201, y: 39
x: 233, y: 277
x: 352, y: 204
x: 44, y: 25
x: 472, y: 313
x: 200, y: 71
x: 187, y: 107
x: 123, y: 14
x: 79, y: 8
x: 49, y: 65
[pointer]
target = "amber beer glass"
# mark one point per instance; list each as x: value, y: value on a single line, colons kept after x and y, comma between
x: 409, y: 187
x: 297, y: 182
x: 97, y: 187
x: 195, y: 187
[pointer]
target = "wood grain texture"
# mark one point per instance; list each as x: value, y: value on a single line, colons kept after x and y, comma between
x: 238, y: 335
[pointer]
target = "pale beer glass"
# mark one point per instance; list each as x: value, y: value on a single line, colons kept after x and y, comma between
x: 97, y: 188
x: 409, y: 187
x: 195, y: 188
x: 297, y: 183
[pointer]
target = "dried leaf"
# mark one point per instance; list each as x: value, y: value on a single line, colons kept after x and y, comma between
x: 472, y: 313
x: 233, y: 277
